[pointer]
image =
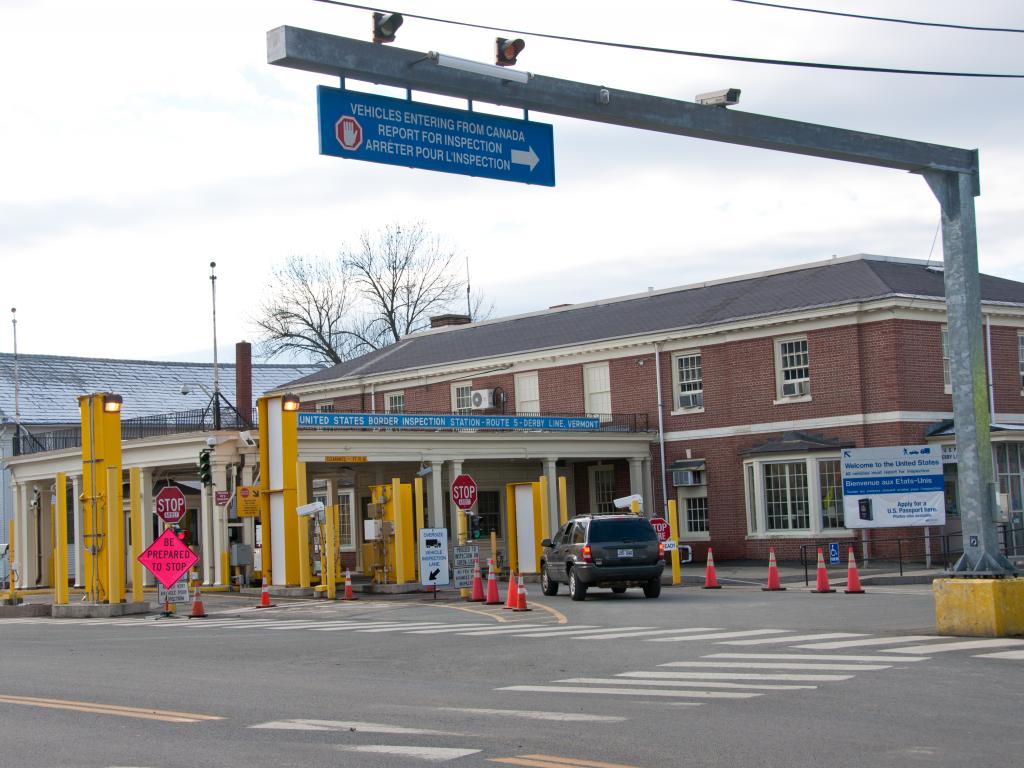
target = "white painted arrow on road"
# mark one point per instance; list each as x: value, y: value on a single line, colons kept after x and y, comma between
x: 529, y: 157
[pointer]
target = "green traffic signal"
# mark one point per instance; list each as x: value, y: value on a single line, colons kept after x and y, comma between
x: 205, y: 470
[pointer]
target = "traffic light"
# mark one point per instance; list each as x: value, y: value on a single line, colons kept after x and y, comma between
x: 385, y: 25
x: 506, y: 51
x: 205, y: 470
x: 475, y: 531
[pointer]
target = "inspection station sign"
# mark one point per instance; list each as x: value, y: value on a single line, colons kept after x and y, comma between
x: 434, y: 557
x: 893, y: 487
x: 311, y: 420
x: 380, y: 129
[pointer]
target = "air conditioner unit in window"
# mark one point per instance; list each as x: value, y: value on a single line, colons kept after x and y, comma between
x: 481, y: 399
x: 793, y: 388
x: 687, y: 477
x: 692, y: 400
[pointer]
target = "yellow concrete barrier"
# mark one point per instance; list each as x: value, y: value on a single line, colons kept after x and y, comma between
x: 979, y: 607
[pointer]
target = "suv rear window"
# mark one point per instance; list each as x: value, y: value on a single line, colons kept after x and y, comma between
x: 622, y: 529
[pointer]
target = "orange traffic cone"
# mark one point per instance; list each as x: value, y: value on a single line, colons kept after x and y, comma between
x: 512, y: 599
x: 348, y: 586
x: 853, y: 586
x: 710, y: 579
x: 823, y: 586
x: 265, y: 596
x: 493, y: 598
x: 774, y: 585
x: 478, y: 584
x: 521, y: 603
x: 198, y: 612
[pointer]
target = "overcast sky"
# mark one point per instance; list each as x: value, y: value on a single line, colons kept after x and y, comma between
x: 139, y: 140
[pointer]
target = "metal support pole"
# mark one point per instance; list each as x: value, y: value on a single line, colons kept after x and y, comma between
x: 976, y: 491
x: 216, y: 373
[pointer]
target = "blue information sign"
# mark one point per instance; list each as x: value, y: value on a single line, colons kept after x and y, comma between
x: 379, y: 129
x: 833, y: 553
x: 446, y: 421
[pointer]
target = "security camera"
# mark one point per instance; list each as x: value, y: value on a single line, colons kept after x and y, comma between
x: 723, y: 98
x: 247, y: 438
x: 184, y: 389
x: 211, y: 441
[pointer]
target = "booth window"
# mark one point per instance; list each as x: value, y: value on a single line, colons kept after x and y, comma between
x: 602, y: 489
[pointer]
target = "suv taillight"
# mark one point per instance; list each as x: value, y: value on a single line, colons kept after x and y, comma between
x: 585, y: 554
x: 661, y: 549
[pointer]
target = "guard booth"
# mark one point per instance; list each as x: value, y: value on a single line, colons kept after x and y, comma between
x: 389, y: 549
x: 527, y: 525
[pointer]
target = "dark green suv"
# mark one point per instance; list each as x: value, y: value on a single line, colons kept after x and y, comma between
x: 616, y: 551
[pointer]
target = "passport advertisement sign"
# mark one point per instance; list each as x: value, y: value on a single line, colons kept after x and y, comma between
x: 893, y: 487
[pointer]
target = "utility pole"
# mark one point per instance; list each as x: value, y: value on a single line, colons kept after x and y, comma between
x: 216, y: 373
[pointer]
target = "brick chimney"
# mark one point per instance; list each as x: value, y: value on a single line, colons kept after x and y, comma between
x: 243, y: 379
x: 439, y: 321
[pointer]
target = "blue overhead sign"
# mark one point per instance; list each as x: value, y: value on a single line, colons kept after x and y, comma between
x: 446, y: 421
x: 379, y: 129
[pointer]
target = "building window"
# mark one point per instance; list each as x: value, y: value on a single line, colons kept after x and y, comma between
x: 488, y: 509
x: 346, y: 520
x: 325, y: 407
x: 798, y: 494
x: 597, y: 391
x: 689, y: 389
x: 602, y: 489
x: 394, y: 402
x: 527, y: 393
x: 830, y: 484
x: 946, y: 382
x: 1020, y: 357
x: 785, y: 491
x: 792, y: 363
x: 1009, y: 457
x: 462, y: 398
x: 697, y: 515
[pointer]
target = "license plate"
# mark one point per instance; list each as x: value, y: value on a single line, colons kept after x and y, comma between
x: 625, y: 553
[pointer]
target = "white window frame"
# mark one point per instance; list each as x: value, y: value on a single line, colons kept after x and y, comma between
x: 389, y: 401
x: 682, y: 495
x: 590, y: 407
x: 351, y: 494
x: 947, y: 385
x: 678, y: 384
x: 757, y: 513
x: 780, y: 371
x: 592, y: 472
x: 468, y: 407
x: 325, y: 407
x: 527, y: 384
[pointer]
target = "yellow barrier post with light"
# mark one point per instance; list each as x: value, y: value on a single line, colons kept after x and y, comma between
x: 60, y: 538
x: 278, y: 467
x: 101, y: 481
x: 328, y: 545
x: 673, y: 524
x: 401, y: 556
x: 135, y: 514
x: 545, y: 514
x: 302, y: 521
x: 417, y: 488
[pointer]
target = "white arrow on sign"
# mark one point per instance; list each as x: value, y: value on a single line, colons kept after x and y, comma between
x: 529, y: 157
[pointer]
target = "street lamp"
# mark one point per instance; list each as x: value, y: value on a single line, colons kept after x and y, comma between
x: 290, y: 403
x: 112, y: 403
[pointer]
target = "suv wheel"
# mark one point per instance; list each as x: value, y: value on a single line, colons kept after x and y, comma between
x: 547, y: 586
x: 652, y: 588
x: 577, y: 591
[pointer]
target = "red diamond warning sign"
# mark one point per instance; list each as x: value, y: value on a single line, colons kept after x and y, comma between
x: 349, y: 133
x: 168, y: 558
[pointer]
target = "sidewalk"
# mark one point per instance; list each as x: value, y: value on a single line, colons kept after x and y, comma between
x: 753, y: 573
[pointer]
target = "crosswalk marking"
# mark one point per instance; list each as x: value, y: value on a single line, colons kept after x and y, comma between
x: 432, y: 754
x: 632, y: 692
x: 719, y: 635
x: 451, y: 628
x: 808, y: 657
x: 502, y: 631
x: 1001, y: 655
x: 778, y: 665
x: 793, y: 638
x: 553, y: 761
x: 740, y: 676
x: 963, y: 645
x: 413, y: 625
x: 569, y: 631
x: 867, y: 641
x: 692, y: 683
x: 617, y: 635
x: 569, y: 717
x: 304, y: 724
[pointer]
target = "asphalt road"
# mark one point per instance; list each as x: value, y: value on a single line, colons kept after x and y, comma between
x: 695, y: 678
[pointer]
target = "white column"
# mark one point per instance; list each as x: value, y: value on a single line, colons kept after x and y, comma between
x: 76, y: 505
x: 219, y: 525
x: 206, y: 541
x: 636, y: 480
x: 551, y: 474
x: 436, y: 495
x: 148, y: 515
x: 22, y: 497
x: 648, y: 492
x: 454, y: 470
x: 249, y: 525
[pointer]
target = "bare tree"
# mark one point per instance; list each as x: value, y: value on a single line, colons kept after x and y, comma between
x: 370, y: 296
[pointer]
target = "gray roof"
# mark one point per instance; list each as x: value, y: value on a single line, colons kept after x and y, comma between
x: 49, y: 385
x: 822, y: 284
x: 796, y: 442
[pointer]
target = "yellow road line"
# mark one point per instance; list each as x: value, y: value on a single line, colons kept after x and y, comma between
x: 553, y: 761
x: 108, y: 709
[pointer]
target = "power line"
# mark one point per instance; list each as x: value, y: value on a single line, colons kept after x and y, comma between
x: 880, y: 18
x: 678, y: 52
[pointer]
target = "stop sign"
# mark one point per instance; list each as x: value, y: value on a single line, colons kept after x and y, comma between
x: 464, y: 491
x: 662, y: 528
x: 170, y: 504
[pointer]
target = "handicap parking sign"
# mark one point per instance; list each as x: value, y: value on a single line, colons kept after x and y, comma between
x: 833, y: 553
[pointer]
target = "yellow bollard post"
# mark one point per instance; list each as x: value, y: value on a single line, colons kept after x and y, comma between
x: 60, y: 538
x: 135, y: 512
x: 113, y: 541
x: 673, y: 522
x: 511, y: 541
x: 461, y: 527
x: 417, y: 492
x: 634, y: 507
x: 304, y: 566
x: 401, y: 531
x: 563, y: 502
x: 328, y: 545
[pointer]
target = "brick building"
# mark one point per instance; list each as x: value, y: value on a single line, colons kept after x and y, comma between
x: 742, y: 392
